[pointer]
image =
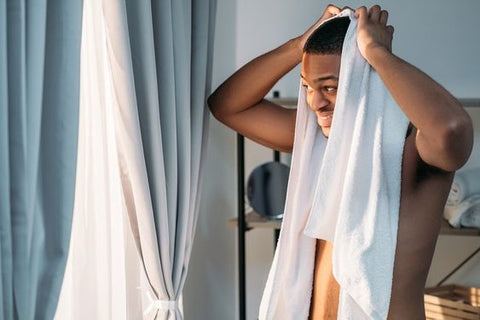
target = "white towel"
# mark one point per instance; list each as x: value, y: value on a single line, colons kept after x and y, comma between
x: 345, y: 189
x: 464, y: 184
x: 471, y: 217
x: 464, y: 214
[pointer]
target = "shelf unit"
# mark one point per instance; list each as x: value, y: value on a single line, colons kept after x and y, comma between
x: 292, y: 102
x: 254, y: 220
x: 247, y: 221
x: 243, y: 223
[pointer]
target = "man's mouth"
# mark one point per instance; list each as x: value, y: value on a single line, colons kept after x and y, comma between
x: 325, y: 119
x: 324, y: 115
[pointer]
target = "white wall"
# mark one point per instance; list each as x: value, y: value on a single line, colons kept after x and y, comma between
x: 439, y: 37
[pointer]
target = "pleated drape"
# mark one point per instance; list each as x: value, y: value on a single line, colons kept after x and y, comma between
x: 39, y: 94
x: 160, y: 58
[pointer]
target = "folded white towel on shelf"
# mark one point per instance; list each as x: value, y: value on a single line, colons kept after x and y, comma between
x: 465, y: 184
x: 345, y: 189
x: 464, y: 214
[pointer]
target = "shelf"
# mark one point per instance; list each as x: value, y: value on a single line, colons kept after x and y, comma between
x: 254, y: 220
x: 446, y: 229
x: 292, y: 102
x: 470, y: 102
x: 286, y: 102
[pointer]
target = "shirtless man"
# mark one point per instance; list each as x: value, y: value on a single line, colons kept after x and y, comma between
x: 439, y: 142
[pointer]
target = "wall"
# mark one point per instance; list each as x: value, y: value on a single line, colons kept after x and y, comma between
x: 443, y: 42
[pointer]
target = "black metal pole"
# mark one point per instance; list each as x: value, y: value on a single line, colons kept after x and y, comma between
x: 276, y: 156
x: 241, y: 226
x: 276, y: 233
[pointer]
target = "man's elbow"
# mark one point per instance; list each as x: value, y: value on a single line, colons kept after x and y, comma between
x: 214, y: 106
x: 458, y: 142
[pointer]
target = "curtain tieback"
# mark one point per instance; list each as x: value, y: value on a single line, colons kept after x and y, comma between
x: 160, y: 304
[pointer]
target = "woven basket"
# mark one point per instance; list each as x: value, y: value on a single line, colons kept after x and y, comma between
x: 452, y: 302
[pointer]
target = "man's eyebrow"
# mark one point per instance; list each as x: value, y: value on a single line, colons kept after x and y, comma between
x: 328, y: 77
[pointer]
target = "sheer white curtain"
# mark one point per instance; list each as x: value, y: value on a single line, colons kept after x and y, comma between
x: 145, y: 76
x: 103, y: 274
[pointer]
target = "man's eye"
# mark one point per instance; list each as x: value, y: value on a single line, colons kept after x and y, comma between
x: 330, y: 89
x: 306, y: 86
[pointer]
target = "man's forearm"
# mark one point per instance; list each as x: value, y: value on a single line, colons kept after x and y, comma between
x: 251, y: 83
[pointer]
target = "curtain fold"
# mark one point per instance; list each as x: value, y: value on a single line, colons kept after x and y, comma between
x: 103, y: 277
x: 39, y: 93
x: 161, y: 74
x: 146, y: 69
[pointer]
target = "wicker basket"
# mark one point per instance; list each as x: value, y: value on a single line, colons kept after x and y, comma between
x: 452, y: 302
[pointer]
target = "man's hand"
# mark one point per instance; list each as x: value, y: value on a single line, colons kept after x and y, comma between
x: 372, y: 31
x: 329, y: 12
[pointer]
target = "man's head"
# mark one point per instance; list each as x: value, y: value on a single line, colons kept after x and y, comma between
x: 321, y: 68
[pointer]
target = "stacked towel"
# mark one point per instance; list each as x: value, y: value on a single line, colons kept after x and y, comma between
x: 463, y: 203
x: 465, y: 184
x: 464, y: 214
x: 345, y: 189
x: 471, y: 217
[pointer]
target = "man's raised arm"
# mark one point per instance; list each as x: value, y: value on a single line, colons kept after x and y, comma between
x: 239, y: 101
x: 444, y: 129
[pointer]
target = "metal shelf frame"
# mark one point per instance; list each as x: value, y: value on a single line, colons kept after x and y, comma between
x: 242, y: 224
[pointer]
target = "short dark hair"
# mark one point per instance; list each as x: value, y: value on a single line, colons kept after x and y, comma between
x: 328, y: 38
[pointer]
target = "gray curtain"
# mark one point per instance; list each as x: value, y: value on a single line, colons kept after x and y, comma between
x: 161, y: 54
x: 39, y: 97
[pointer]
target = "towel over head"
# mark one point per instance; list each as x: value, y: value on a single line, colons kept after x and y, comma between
x: 344, y: 189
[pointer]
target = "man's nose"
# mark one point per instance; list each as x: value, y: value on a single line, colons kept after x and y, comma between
x: 319, y: 101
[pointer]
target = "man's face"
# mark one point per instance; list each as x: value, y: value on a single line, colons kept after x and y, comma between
x: 320, y: 77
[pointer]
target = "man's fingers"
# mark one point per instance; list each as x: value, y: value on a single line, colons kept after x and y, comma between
x: 332, y: 9
x: 390, y: 29
x: 374, y: 13
x: 361, y: 13
x: 383, y: 17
